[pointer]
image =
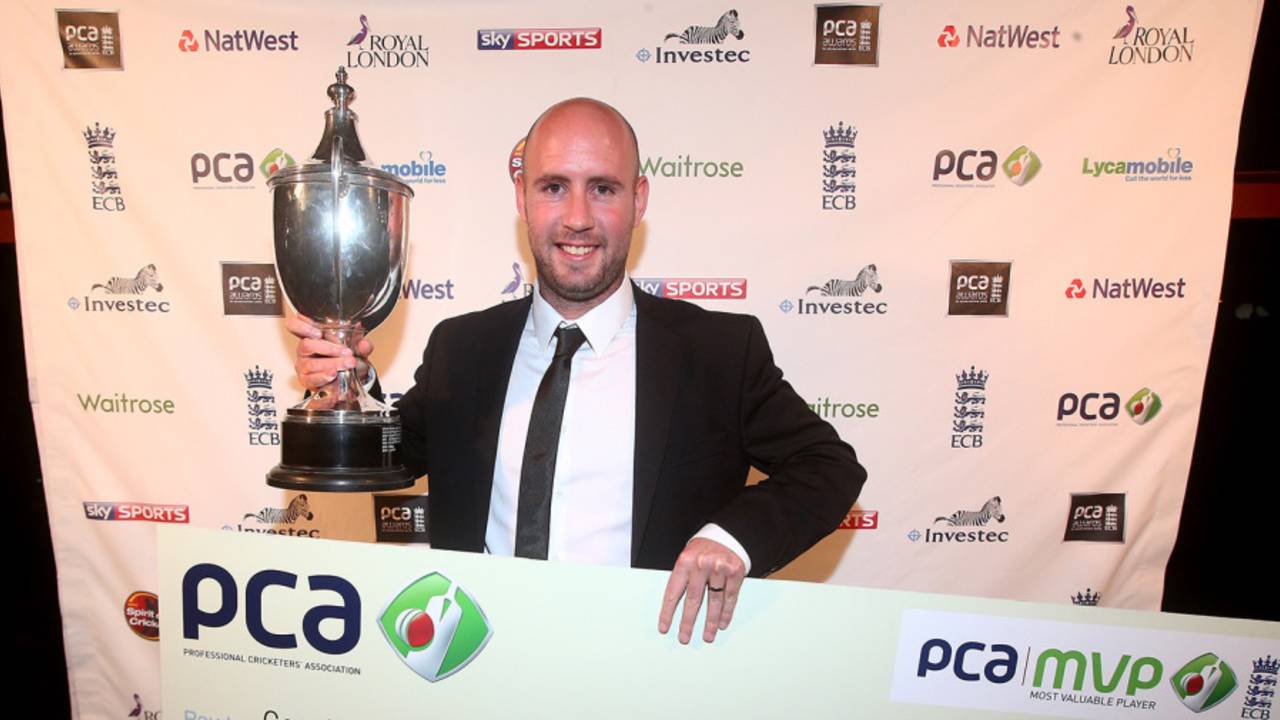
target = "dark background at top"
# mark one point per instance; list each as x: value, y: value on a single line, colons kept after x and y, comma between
x: 1225, y: 553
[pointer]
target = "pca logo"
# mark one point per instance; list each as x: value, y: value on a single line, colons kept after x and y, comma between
x: 847, y: 35
x: 1096, y: 517
x: 979, y: 288
x: 401, y: 518
x: 838, y: 171
x: 435, y: 627
x: 976, y: 168
x: 251, y: 289
x: 1204, y: 682
x: 90, y: 40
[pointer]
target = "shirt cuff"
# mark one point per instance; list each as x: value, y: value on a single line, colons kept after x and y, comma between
x: 712, y: 531
x: 373, y: 378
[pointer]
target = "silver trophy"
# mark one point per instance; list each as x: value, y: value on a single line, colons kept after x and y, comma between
x: 340, y: 231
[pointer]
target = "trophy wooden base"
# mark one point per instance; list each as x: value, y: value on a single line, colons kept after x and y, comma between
x: 340, y: 452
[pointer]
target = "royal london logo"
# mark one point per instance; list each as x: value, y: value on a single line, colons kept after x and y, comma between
x: 969, y: 416
x: 993, y: 509
x: 279, y: 521
x: 1171, y: 167
x: 867, y: 280
x: 263, y: 429
x: 1137, y: 44
x: 146, y: 279
x: 425, y: 170
x: 728, y: 26
x: 105, y: 182
x: 518, y: 288
x: 435, y: 627
x: 368, y: 49
x: 838, y: 171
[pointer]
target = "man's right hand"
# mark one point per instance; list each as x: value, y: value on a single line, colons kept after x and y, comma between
x: 318, y: 360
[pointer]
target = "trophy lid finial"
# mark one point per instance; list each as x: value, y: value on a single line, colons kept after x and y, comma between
x: 340, y: 121
x: 340, y: 92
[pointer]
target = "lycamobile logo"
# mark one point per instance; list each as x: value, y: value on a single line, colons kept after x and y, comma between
x: 1204, y: 682
x: 435, y: 627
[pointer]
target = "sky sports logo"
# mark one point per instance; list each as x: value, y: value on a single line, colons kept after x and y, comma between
x: 695, y: 288
x: 137, y: 512
x: 539, y: 39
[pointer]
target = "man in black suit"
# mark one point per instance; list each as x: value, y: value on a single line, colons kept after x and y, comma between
x: 593, y: 422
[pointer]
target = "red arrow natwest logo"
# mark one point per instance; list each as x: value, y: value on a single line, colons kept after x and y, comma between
x: 948, y: 38
x: 188, y: 42
x: 1075, y: 290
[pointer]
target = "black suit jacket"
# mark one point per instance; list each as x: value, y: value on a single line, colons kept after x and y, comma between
x: 709, y: 404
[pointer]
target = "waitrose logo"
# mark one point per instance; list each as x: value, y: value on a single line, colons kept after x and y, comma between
x: 121, y: 403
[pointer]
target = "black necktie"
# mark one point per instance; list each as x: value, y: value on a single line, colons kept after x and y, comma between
x: 533, y: 515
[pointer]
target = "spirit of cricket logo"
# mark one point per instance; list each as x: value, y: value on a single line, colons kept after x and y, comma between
x: 435, y: 626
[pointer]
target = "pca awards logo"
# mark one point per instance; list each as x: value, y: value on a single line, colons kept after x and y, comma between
x: 261, y: 401
x: 435, y: 627
x: 838, y: 171
x: 847, y: 35
x: 1096, y: 517
x: 105, y: 183
x: 401, y: 518
x: 251, y: 289
x: 90, y: 40
x: 979, y: 288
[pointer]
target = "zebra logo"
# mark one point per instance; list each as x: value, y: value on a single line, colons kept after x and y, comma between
x: 867, y: 278
x: 298, y: 508
x: 967, y: 518
x: 136, y: 285
x: 702, y: 35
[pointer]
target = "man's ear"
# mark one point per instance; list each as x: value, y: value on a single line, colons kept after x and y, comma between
x: 642, y: 197
x: 519, y: 186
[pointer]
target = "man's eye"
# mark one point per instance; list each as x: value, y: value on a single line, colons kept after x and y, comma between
x: 605, y: 189
x: 554, y: 188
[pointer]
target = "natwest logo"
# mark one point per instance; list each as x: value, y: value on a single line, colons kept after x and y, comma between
x: 135, y: 512
x: 695, y: 288
x: 419, y: 289
x: 1011, y: 37
x: 539, y: 39
x: 728, y: 26
x: 243, y: 40
x: 1130, y: 288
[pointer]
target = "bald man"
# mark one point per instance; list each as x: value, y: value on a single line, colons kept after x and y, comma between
x: 594, y: 423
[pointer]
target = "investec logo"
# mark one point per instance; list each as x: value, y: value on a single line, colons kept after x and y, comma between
x: 1130, y: 288
x: 130, y: 287
x: 1136, y: 44
x: 867, y: 280
x: 279, y: 521
x: 1009, y: 37
x: 238, y: 41
x: 1168, y: 168
x: 966, y: 526
x: 695, y: 288
x: 728, y: 26
x: 367, y: 49
x: 539, y: 39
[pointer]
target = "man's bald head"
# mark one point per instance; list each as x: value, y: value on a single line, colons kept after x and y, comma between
x: 585, y: 108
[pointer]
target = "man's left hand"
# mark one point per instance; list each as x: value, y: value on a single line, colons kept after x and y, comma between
x: 705, y: 567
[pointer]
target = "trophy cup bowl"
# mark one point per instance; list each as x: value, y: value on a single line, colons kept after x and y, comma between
x: 340, y: 233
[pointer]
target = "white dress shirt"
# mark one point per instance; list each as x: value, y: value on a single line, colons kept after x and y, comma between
x: 595, y: 460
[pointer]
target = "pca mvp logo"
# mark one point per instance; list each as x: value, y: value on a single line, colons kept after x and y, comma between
x: 433, y: 625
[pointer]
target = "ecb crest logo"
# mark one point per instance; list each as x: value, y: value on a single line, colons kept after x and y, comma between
x: 970, y: 409
x: 263, y: 428
x: 107, y: 195
x: 838, y: 171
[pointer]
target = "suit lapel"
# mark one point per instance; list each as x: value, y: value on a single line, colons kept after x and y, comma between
x: 494, y: 374
x: 659, y: 357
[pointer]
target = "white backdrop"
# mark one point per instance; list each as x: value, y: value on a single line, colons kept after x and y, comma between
x: 150, y: 167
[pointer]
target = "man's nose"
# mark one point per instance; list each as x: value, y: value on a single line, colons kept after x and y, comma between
x: 578, y: 215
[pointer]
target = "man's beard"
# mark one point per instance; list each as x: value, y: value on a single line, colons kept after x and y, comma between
x: 581, y: 289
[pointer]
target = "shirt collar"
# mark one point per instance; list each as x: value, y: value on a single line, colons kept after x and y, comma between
x: 600, y: 324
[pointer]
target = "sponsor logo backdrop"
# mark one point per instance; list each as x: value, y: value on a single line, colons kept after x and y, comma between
x: 819, y: 167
